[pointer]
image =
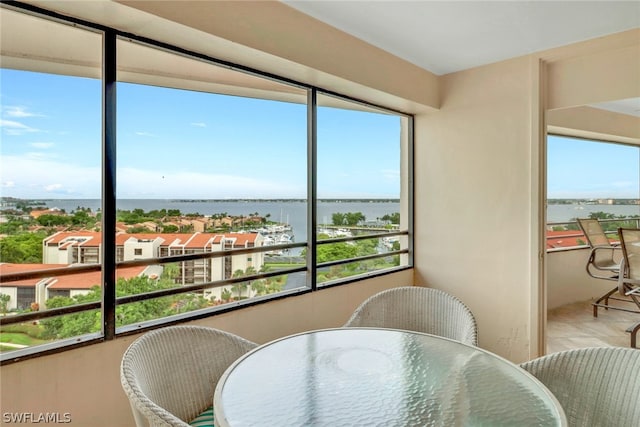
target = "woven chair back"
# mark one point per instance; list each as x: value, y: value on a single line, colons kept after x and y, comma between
x: 630, y: 241
x: 593, y: 232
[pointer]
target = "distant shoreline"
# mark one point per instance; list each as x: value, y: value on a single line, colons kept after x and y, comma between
x: 599, y: 201
x: 333, y: 200
x: 554, y: 201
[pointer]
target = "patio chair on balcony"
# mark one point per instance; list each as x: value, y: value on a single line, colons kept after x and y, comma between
x: 604, y: 260
x: 420, y: 309
x: 170, y: 374
x: 595, y: 386
x: 629, y: 280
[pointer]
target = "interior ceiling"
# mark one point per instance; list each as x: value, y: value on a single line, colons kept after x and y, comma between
x: 448, y: 36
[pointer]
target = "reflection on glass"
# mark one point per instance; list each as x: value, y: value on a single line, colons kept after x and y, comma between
x: 359, y: 163
x: 51, y: 132
x: 205, y: 154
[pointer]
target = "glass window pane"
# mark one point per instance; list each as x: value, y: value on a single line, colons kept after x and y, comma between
x: 590, y: 179
x: 360, y: 186
x: 209, y: 159
x: 50, y: 163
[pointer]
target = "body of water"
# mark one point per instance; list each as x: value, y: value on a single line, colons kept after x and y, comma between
x: 294, y: 213
x: 289, y: 212
x: 562, y: 213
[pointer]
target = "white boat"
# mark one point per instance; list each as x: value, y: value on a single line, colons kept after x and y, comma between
x: 284, y: 238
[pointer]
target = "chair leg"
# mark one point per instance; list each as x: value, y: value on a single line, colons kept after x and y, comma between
x: 603, y: 302
x: 605, y: 298
x: 633, y: 330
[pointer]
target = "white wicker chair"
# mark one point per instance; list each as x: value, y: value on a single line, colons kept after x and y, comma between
x: 595, y: 386
x: 419, y: 309
x: 170, y: 374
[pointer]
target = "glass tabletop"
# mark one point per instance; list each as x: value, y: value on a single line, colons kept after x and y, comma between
x: 386, y: 377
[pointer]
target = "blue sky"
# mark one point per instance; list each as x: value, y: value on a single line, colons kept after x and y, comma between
x: 185, y: 144
x: 578, y: 168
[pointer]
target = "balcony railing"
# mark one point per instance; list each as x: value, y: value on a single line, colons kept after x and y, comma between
x: 609, y: 226
x: 310, y: 283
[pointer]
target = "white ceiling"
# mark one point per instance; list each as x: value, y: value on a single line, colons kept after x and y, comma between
x: 448, y: 36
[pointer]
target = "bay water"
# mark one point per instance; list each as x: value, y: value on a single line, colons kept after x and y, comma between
x: 294, y: 212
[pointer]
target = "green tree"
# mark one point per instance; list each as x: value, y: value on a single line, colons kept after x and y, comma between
x: 15, y: 225
x: 75, y: 324
x: 393, y: 218
x: 82, y: 218
x: 354, y: 218
x: 4, y: 303
x: 22, y: 248
x: 90, y: 321
x: 170, y: 272
x: 170, y: 228
x: 336, y: 251
x: 338, y: 219
x: 225, y: 295
x: 240, y: 287
x: 48, y: 220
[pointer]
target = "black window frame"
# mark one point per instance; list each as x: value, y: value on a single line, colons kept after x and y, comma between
x: 109, y: 261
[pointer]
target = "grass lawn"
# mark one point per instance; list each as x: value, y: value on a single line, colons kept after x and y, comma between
x: 19, y: 338
x: 275, y: 266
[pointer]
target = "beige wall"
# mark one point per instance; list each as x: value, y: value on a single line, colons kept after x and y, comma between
x: 480, y: 179
x: 86, y: 382
x: 589, y: 122
x: 568, y: 280
x: 472, y: 233
x: 598, y: 76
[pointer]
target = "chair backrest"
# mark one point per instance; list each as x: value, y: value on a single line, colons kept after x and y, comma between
x: 630, y: 242
x: 170, y: 374
x: 595, y: 386
x: 419, y: 309
x: 593, y: 232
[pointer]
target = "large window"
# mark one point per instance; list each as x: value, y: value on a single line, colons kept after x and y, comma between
x: 590, y: 179
x: 177, y: 186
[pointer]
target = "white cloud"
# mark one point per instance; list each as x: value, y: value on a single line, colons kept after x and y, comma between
x: 19, y: 111
x: 37, y: 177
x: 138, y: 183
x: 149, y: 134
x: 42, y: 144
x: 15, y: 128
x: 33, y: 176
x: 52, y: 187
x: 199, y: 124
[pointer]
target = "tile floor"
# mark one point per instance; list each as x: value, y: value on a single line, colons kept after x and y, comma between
x: 573, y: 326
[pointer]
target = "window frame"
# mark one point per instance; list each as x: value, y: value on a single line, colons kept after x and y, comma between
x: 109, y: 263
x: 567, y: 134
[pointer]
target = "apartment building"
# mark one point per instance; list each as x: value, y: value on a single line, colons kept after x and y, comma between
x: 84, y: 247
x: 34, y: 293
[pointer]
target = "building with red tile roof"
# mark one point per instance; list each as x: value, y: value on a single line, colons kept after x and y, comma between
x: 23, y: 293
x: 565, y: 239
x: 84, y: 247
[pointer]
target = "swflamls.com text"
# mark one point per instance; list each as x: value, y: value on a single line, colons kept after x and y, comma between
x: 36, y: 417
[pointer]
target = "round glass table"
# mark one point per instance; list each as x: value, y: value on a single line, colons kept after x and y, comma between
x: 385, y: 377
